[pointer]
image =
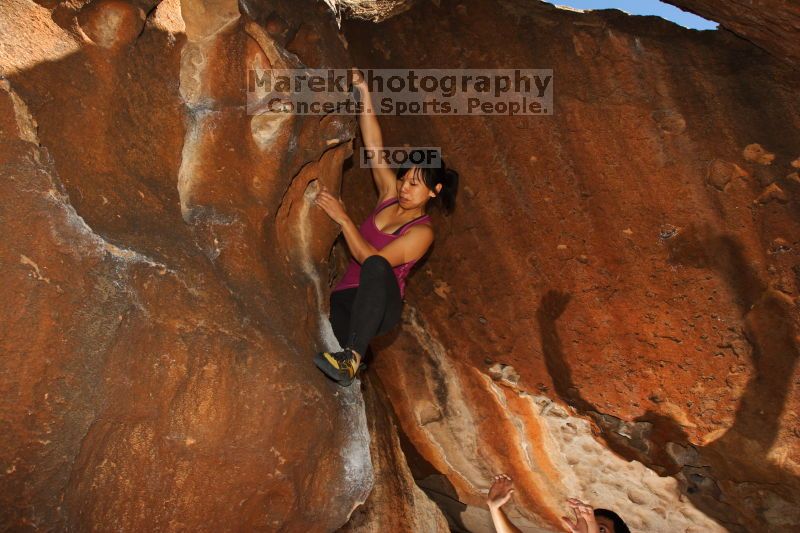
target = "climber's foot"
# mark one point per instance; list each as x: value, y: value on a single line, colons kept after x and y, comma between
x: 341, y: 367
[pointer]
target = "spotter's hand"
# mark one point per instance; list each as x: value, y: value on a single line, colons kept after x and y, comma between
x: 500, y: 492
x: 584, y: 521
x: 333, y: 206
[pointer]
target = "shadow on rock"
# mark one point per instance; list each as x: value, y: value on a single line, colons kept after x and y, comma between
x: 734, y: 468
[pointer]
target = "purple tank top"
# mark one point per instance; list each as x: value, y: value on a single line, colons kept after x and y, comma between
x: 369, y: 230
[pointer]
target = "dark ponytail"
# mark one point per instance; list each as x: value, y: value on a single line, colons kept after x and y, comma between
x: 447, y: 196
x: 445, y: 199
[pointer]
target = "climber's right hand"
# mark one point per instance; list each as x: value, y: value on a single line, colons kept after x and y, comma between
x: 332, y: 205
x: 358, y: 79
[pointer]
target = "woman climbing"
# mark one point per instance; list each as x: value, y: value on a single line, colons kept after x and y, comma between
x: 368, y: 300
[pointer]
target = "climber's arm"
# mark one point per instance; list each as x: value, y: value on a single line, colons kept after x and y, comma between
x: 410, y: 247
x: 385, y: 179
x: 360, y: 249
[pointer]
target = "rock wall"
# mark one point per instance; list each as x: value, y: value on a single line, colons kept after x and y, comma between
x: 611, y: 313
x: 627, y: 267
x: 770, y: 24
x: 396, y: 503
x: 162, y: 274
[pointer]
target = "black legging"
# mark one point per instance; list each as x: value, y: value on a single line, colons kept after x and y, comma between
x: 371, y: 309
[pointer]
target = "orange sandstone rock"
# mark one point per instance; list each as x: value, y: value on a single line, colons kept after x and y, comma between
x: 656, y: 350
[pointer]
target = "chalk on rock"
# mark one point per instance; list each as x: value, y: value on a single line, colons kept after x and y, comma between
x: 779, y: 245
x: 667, y: 231
x: 503, y: 372
x: 758, y: 154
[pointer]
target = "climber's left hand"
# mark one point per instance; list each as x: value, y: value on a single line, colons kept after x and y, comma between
x: 333, y: 206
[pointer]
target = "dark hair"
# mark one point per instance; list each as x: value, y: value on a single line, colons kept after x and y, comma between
x: 619, y: 524
x: 444, y: 199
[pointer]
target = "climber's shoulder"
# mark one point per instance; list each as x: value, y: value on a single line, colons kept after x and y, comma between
x: 422, y: 231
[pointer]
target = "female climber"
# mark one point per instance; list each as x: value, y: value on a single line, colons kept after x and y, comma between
x: 368, y: 299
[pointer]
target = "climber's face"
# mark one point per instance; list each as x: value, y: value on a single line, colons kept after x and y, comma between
x: 412, y: 191
x: 605, y: 525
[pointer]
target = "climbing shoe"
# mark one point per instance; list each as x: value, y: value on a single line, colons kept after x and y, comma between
x: 341, y: 367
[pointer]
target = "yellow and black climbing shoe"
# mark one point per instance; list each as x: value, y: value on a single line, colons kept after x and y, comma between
x: 341, y: 367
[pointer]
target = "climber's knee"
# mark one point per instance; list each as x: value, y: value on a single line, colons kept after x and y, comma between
x: 376, y: 265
